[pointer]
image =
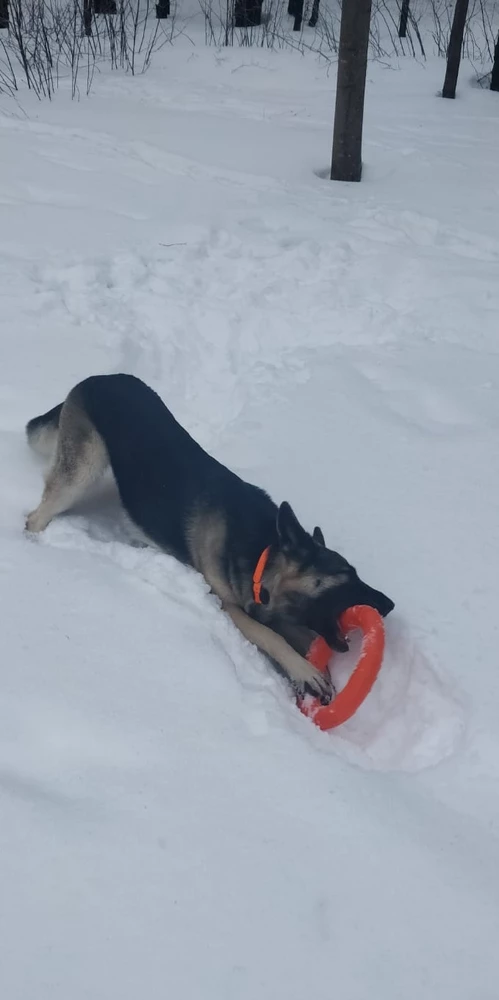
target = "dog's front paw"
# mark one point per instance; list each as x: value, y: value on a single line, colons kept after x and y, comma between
x: 317, y: 684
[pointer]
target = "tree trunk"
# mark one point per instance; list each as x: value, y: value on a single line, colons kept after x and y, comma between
x: 247, y: 13
x: 455, y: 48
x: 104, y: 6
x: 87, y: 17
x: 4, y: 13
x: 346, y: 162
x: 296, y: 10
x: 494, y: 80
x: 404, y: 14
x: 314, y: 17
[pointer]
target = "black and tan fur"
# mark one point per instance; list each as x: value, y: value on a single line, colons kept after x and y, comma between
x: 196, y: 509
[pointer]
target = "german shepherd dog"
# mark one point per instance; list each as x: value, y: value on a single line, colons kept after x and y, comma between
x: 280, y: 585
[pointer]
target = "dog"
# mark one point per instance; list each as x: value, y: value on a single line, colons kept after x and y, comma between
x: 279, y: 584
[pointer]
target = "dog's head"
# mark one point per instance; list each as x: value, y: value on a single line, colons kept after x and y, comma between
x: 309, y: 584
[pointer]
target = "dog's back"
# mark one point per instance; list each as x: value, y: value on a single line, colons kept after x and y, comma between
x: 165, y: 479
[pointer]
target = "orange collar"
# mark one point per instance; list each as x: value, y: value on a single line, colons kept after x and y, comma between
x: 257, y: 575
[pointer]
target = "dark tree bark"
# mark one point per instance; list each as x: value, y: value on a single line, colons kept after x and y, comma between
x: 4, y: 13
x: 247, y: 13
x: 494, y: 80
x: 346, y: 162
x: 455, y: 48
x: 404, y: 14
x: 162, y: 9
x: 104, y: 6
x: 296, y: 10
x: 87, y: 17
x: 315, y: 14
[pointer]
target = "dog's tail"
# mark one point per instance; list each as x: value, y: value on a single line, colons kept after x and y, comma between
x: 42, y: 432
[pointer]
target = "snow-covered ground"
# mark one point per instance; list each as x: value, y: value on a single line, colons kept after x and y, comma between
x: 170, y: 826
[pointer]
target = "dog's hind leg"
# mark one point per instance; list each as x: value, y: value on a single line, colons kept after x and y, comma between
x: 80, y: 459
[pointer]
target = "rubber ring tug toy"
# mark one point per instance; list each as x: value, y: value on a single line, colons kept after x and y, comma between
x: 364, y: 675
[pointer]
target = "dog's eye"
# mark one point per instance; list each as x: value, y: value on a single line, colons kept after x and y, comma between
x: 318, y: 583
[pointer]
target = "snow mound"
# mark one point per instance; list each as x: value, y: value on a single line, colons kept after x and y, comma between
x: 413, y: 718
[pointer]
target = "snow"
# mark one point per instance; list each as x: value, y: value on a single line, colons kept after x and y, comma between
x: 170, y: 824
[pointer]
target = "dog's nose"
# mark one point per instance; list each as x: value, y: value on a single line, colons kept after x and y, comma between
x: 383, y: 604
x: 379, y: 601
x: 388, y: 605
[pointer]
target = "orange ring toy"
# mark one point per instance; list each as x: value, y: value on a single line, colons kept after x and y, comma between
x: 363, y: 677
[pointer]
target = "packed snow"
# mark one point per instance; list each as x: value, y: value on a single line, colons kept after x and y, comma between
x: 171, y: 826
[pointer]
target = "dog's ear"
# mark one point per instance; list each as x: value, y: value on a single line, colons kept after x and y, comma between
x: 291, y: 534
x: 318, y: 537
